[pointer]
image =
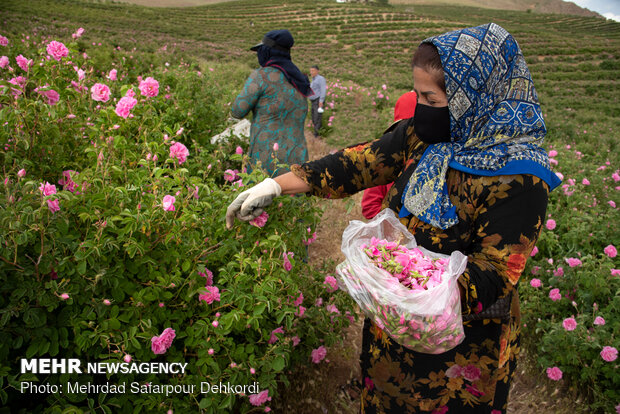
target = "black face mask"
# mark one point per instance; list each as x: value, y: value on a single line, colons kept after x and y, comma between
x: 432, y: 125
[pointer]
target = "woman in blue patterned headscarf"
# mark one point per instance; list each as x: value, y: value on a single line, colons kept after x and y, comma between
x: 495, y: 122
x: 469, y: 174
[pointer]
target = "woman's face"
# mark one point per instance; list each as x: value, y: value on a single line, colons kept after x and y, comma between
x: 426, y: 87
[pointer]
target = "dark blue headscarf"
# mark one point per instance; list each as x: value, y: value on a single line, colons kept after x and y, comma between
x: 496, y: 124
x: 274, y: 51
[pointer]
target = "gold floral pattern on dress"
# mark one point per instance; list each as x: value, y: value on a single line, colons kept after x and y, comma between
x: 500, y: 219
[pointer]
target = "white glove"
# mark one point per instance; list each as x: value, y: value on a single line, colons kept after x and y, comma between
x: 249, y: 204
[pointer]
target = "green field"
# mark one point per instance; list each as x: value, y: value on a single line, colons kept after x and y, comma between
x: 575, y: 61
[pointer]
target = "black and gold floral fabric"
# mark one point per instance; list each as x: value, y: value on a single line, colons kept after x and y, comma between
x: 500, y: 218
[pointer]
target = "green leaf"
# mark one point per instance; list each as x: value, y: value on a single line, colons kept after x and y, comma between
x: 278, y: 364
x: 260, y: 308
x: 114, y: 324
x: 186, y: 265
x: 81, y: 267
x: 204, y: 403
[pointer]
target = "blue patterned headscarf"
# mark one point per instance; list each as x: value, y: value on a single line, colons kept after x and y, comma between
x: 496, y: 125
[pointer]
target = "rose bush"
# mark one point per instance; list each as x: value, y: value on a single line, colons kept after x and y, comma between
x: 113, y: 245
x: 571, y: 302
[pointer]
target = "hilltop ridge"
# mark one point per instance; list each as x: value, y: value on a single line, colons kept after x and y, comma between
x: 538, y: 6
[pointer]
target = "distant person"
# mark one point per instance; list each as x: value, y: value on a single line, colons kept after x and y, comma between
x: 317, y: 100
x: 372, y: 199
x: 276, y: 95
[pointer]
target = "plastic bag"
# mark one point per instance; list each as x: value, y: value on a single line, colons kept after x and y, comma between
x: 428, y: 321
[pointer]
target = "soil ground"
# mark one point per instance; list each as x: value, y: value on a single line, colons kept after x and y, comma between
x: 317, y: 389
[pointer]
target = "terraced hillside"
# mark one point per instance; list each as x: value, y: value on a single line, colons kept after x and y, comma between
x: 574, y: 60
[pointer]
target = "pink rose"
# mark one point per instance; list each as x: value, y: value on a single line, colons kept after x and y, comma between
x: 573, y: 262
x: 276, y: 146
x: 161, y: 343
x: 51, y: 95
x: 4, y: 41
x: 19, y: 81
x: 79, y: 88
x: 53, y: 205
x: 318, y: 354
x: 273, y: 339
x: 295, y: 340
x: 23, y: 63
x: 107, y: 302
x: 585, y: 181
x: 211, y: 295
x: 149, y: 87
x: 78, y: 33
x: 125, y: 105
x: 47, y: 189
x: 331, y: 283
x: 599, y: 321
x: 4, y: 61
x: 179, y: 151
x: 559, y: 271
x: 609, y: 353
x: 81, y: 74
x: 299, y: 300
x: 535, y: 283
x: 553, y: 153
x: 550, y: 224
x: 231, y: 175
x: 64, y: 296
x: 261, y: 220
x: 239, y: 150
x: 208, y: 276
x: 554, y: 294
x: 260, y: 398
x: 57, y: 50
x: 554, y: 373
x: 569, y: 324
x: 534, y: 251
x: 611, y: 251
x: 168, y: 203
x: 100, y: 92
x: 127, y: 358
x: 286, y: 262
x: 112, y: 75
x: 21, y: 173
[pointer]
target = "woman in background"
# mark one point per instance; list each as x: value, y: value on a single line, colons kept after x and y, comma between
x: 276, y: 95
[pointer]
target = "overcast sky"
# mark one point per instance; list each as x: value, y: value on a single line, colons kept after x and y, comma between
x: 608, y: 8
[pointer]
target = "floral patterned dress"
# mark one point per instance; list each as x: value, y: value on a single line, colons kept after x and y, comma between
x: 279, y: 112
x: 500, y: 218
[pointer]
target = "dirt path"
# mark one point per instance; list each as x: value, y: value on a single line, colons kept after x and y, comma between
x: 317, y: 389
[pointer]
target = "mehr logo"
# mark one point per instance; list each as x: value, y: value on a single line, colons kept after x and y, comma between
x: 51, y: 366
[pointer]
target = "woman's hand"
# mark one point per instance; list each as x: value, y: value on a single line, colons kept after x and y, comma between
x: 249, y: 204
